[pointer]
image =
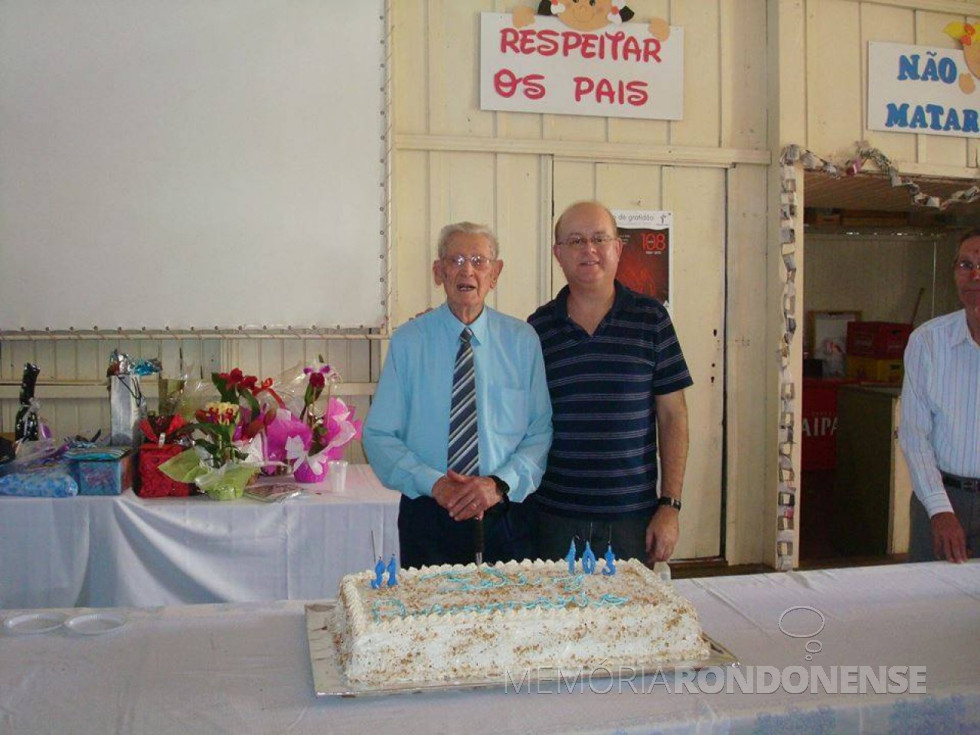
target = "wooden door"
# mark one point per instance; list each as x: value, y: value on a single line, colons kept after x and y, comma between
x: 696, y: 196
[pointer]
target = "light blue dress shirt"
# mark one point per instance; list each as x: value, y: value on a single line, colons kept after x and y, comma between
x: 407, y: 429
x: 940, y: 426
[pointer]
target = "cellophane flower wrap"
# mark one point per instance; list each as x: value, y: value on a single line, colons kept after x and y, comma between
x: 228, y: 436
x: 319, y: 425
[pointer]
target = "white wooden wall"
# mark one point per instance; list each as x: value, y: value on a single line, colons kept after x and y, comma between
x: 837, y: 35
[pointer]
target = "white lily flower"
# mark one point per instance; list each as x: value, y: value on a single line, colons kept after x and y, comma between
x: 295, y: 451
x: 316, y: 461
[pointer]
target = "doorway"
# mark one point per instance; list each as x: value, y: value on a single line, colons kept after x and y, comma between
x: 872, y: 257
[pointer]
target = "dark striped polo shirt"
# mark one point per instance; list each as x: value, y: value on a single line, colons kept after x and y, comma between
x: 603, y: 459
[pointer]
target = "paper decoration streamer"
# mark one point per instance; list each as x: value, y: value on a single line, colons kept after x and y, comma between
x: 812, y: 162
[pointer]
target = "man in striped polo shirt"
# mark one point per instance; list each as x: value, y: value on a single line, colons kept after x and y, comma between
x: 940, y: 427
x: 616, y: 376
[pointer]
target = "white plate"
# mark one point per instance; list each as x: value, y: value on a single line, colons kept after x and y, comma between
x: 95, y: 623
x: 35, y: 622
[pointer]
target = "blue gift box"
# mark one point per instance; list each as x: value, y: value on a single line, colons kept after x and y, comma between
x: 43, y: 481
x: 100, y: 470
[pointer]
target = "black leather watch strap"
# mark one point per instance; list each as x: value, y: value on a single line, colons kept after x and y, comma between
x: 504, y: 489
x: 672, y: 502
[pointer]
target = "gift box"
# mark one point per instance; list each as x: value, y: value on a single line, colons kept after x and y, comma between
x: 39, y: 471
x: 45, y: 481
x: 152, y: 483
x: 101, y: 470
x: 160, y: 433
x: 880, y: 340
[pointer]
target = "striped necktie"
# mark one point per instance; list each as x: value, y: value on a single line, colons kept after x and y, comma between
x: 464, y: 448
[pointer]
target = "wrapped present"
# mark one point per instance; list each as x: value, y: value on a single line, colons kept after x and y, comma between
x: 39, y: 471
x: 52, y: 481
x: 152, y: 482
x: 127, y: 405
x: 160, y: 433
x: 100, y: 470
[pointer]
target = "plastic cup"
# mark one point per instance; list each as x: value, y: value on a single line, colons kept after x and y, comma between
x: 337, y: 474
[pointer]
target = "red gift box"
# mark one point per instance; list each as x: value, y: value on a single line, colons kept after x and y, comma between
x: 153, y: 483
x: 880, y: 340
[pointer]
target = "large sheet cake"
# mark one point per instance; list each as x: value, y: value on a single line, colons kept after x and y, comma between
x: 453, y: 623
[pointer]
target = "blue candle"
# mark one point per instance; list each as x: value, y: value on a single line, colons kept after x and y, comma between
x: 379, y: 570
x: 392, y: 569
x: 610, y: 558
x: 588, y: 559
x: 570, y: 557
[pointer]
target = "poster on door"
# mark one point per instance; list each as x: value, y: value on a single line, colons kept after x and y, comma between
x: 644, y: 265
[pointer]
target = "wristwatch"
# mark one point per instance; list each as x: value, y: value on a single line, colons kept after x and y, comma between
x: 672, y: 502
x: 503, y: 489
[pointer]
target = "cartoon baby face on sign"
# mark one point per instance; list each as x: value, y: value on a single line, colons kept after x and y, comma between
x: 587, y: 15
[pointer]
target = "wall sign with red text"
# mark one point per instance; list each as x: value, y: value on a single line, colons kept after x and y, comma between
x: 547, y: 66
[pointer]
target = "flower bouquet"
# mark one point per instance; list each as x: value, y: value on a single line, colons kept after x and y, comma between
x: 317, y: 429
x: 227, y: 437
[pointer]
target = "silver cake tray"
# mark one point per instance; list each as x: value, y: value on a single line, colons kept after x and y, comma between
x: 329, y: 679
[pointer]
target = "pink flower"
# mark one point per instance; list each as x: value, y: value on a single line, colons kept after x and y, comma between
x: 341, y: 428
x: 282, y: 428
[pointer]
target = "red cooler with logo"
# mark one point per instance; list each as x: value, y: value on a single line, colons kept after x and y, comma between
x: 819, y: 425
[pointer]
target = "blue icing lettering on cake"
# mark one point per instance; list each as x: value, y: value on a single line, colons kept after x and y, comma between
x: 564, y: 590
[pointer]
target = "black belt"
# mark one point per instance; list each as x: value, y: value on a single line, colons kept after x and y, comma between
x: 970, y: 484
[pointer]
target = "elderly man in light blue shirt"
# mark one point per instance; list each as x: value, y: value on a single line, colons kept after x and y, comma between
x: 407, y: 431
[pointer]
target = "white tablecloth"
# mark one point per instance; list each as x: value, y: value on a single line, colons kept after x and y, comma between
x: 129, y: 551
x: 245, y: 668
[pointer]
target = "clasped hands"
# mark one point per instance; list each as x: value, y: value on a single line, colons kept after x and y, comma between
x: 465, y: 496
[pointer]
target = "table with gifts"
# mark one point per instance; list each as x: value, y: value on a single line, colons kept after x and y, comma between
x: 103, y: 551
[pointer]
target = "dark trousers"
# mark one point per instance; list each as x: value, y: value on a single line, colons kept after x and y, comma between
x: 966, y: 506
x: 553, y: 535
x: 428, y: 536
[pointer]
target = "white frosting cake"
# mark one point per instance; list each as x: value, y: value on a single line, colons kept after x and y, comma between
x: 451, y: 623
